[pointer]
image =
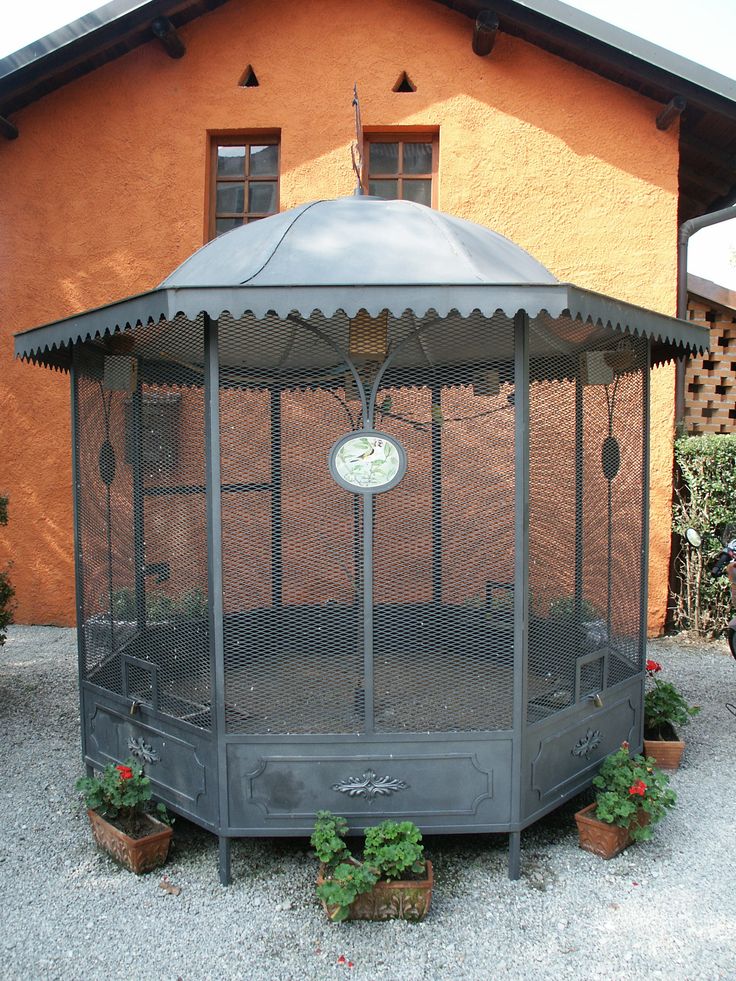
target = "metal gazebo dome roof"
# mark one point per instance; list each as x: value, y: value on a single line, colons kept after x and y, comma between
x: 360, y: 253
x: 359, y: 240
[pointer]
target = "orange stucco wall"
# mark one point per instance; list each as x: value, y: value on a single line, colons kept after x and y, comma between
x: 105, y: 192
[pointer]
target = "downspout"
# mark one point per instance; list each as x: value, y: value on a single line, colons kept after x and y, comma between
x: 687, y: 229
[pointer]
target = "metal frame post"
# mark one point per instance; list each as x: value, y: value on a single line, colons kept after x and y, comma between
x: 579, y: 484
x: 644, y: 610
x: 139, y: 538
x: 521, y: 575
x: 437, y: 495
x: 368, y: 509
x: 78, y: 564
x: 214, y: 573
x: 277, y: 571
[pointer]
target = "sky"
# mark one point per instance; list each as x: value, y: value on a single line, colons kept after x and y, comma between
x: 703, y: 31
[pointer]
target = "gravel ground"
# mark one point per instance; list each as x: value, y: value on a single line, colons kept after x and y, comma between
x: 660, y: 910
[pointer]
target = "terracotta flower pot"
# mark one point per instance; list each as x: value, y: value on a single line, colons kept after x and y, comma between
x: 603, y: 839
x: 666, y: 753
x: 400, y: 900
x: 137, y: 854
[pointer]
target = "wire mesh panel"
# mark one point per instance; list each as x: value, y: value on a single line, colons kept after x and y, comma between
x: 142, y: 507
x: 444, y: 537
x: 291, y: 537
x: 585, y: 514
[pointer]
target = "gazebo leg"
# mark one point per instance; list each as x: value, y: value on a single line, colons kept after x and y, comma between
x: 225, y: 877
x: 515, y: 855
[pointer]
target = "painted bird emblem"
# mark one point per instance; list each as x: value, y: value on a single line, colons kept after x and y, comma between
x: 367, y: 453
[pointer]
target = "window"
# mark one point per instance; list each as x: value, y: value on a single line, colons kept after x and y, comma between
x: 402, y: 166
x: 245, y: 184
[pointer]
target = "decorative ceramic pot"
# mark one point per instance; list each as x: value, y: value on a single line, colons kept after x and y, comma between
x: 666, y: 753
x: 400, y: 900
x: 601, y: 838
x: 137, y: 854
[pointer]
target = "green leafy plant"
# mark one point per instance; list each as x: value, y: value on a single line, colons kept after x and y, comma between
x: 665, y: 707
x: 394, y: 848
x: 704, y: 500
x: 7, y: 593
x: 391, y: 850
x: 191, y: 605
x: 122, y: 795
x: 563, y: 608
x: 630, y: 790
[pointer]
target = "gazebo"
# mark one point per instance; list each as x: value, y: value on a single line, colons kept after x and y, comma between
x: 360, y: 521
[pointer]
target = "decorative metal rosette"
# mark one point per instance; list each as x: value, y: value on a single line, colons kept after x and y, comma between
x: 370, y: 786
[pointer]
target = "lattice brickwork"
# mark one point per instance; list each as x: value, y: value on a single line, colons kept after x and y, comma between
x: 710, y: 379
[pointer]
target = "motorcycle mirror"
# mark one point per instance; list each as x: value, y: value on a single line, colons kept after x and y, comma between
x: 693, y: 538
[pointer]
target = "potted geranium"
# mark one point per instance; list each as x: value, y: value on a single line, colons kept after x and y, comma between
x: 665, y: 709
x: 392, y: 881
x: 631, y: 795
x: 119, y: 811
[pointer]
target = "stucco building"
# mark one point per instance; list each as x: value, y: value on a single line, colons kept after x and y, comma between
x: 141, y: 131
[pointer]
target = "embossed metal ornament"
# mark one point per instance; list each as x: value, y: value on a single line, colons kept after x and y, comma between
x: 370, y: 786
x: 587, y: 743
x: 610, y: 457
x: 107, y: 463
x: 142, y: 750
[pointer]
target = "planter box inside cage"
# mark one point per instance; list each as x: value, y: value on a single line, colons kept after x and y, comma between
x: 411, y: 489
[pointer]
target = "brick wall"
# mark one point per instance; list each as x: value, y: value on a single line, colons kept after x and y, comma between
x: 710, y: 379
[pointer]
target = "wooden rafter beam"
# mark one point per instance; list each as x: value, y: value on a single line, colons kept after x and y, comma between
x: 8, y: 130
x: 485, y: 30
x: 168, y: 35
x: 674, y: 108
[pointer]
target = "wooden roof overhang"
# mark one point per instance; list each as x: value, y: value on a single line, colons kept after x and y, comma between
x: 707, y: 126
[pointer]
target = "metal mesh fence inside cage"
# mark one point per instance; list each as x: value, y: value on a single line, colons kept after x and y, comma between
x: 434, y: 649
x: 142, y: 518
x: 586, y: 472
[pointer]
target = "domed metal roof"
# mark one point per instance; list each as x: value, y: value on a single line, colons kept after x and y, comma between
x: 332, y: 259
x: 359, y: 240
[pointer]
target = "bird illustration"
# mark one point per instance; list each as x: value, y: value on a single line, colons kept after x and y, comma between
x: 364, y: 456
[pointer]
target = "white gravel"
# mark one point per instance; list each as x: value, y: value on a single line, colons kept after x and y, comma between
x: 666, y: 909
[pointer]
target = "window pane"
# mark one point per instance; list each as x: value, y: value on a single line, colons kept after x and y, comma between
x: 420, y: 191
x: 230, y: 197
x: 417, y: 158
x: 261, y: 196
x: 384, y: 189
x: 264, y: 161
x: 383, y: 158
x: 230, y: 161
x: 225, y: 224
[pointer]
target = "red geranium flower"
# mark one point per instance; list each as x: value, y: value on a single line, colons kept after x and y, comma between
x: 125, y: 772
x: 653, y: 667
x: 638, y: 788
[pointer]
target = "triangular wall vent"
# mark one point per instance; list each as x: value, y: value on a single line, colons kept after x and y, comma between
x: 249, y: 79
x: 404, y: 84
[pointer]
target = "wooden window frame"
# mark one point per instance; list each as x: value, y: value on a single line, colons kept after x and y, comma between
x: 401, y: 136
x: 247, y: 139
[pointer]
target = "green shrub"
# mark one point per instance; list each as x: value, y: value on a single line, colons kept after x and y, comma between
x: 705, y: 499
x: 391, y: 850
x: 121, y: 794
x: 665, y: 708
x: 191, y: 605
x: 628, y: 788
